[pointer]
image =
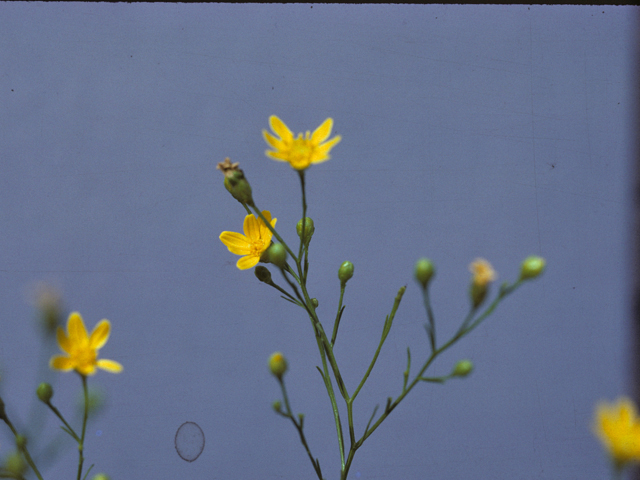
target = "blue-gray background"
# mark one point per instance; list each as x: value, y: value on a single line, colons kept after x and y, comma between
x: 467, y: 131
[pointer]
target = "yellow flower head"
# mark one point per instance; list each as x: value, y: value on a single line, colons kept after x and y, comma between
x: 483, y: 272
x: 82, y: 349
x: 617, y: 425
x: 300, y: 151
x: 256, y: 239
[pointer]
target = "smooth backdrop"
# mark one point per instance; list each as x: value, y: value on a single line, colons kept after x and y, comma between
x: 467, y: 131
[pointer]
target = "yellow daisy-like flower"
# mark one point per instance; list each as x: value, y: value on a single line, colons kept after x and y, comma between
x: 483, y: 272
x: 617, y: 425
x: 82, y: 349
x: 300, y: 151
x: 256, y: 239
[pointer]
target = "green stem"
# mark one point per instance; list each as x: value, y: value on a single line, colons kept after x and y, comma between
x: 324, y: 347
x: 84, y: 425
x: 332, y: 396
x: 66, y: 424
x: 288, y: 269
x: 303, y: 440
x: 23, y: 448
x: 284, y: 292
x: 385, y: 332
x: 246, y: 208
x: 303, y: 272
x: 464, y: 330
x: 338, y: 315
x: 430, y: 316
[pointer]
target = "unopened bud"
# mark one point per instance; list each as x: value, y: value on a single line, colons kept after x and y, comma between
x: 462, y: 368
x: 100, y: 476
x: 308, y: 229
x: 315, y: 302
x: 478, y: 292
x: 532, y: 267
x: 278, y: 364
x: 277, y: 255
x: 424, y: 271
x: 15, y: 464
x: 263, y: 274
x: 44, y: 392
x: 235, y: 182
x: 277, y: 406
x: 345, y: 272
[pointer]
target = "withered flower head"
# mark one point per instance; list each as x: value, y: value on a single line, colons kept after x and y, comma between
x: 227, y: 167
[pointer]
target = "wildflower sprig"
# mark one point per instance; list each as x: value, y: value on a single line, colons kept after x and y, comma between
x: 617, y: 426
x: 81, y: 356
x: 301, y: 152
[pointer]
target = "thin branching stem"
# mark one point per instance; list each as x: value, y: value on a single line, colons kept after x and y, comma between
x: 84, y: 425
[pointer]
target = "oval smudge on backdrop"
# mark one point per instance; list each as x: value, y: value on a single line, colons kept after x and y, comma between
x: 189, y: 441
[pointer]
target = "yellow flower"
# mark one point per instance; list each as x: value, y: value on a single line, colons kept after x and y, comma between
x: 82, y: 349
x: 302, y: 151
x: 617, y: 425
x: 483, y: 272
x: 256, y: 239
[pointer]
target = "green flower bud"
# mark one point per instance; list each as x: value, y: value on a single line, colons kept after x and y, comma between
x: 235, y: 182
x: 21, y: 441
x: 478, y: 292
x: 462, y: 368
x: 532, y: 267
x: 315, y: 302
x: 238, y: 187
x: 308, y: 229
x: 15, y: 464
x: 263, y: 274
x: 277, y: 255
x: 44, y: 392
x: 100, y: 476
x: 277, y: 406
x: 424, y: 271
x: 278, y: 364
x: 345, y: 272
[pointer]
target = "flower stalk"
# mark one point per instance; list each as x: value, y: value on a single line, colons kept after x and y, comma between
x: 301, y: 152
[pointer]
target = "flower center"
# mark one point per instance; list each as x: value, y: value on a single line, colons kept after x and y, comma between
x: 300, y: 152
x: 85, y: 357
x: 257, y: 247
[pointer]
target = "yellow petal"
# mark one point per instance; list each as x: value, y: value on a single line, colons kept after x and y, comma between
x: 276, y: 143
x: 77, y: 330
x: 247, y: 262
x: 280, y: 128
x: 236, y: 242
x: 267, y: 215
x: 281, y: 157
x: 59, y: 362
x: 265, y: 233
x: 100, y: 334
x: 251, y: 228
x: 109, y: 365
x: 63, y: 341
x: 327, y: 146
x: 321, y: 133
